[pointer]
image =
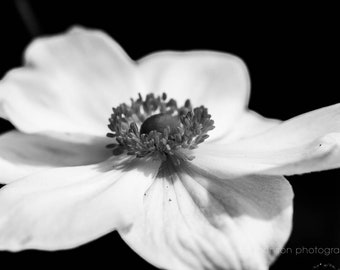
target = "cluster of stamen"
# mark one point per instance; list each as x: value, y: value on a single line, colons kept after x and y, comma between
x: 156, y: 127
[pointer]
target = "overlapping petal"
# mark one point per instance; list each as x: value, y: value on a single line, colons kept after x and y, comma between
x: 76, y: 78
x: 248, y: 124
x: 66, y: 207
x: 23, y: 154
x: 192, y: 220
x: 69, y: 84
x: 219, y: 81
x: 306, y: 143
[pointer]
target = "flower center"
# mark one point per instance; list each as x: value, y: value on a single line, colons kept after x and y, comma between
x: 159, y: 122
x: 156, y: 127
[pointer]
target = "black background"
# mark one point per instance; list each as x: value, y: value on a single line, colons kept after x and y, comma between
x: 292, y: 54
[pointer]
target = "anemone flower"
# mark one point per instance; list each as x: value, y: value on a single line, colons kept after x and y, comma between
x: 179, y: 199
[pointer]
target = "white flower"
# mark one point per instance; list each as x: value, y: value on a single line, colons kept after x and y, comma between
x: 228, y: 208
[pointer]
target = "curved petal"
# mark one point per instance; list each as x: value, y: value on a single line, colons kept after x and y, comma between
x: 23, y: 154
x: 249, y: 124
x: 218, y: 81
x: 69, y: 84
x: 192, y: 220
x: 306, y: 143
x: 66, y: 207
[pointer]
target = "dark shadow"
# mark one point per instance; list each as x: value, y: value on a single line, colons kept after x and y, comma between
x: 248, y: 194
x: 58, y: 150
x: 126, y: 163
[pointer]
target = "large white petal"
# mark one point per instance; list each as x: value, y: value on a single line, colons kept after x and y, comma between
x: 219, y: 81
x: 66, y: 207
x: 22, y: 154
x: 195, y: 221
x: 306, y: 143
x: 69, y: 83
x: 248, y: 124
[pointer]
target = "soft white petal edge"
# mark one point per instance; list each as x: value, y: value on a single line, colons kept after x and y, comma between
x: 69, y: 83
x: 67, y: 207
x: 24, y: 154
x: 306, y: 143
x: 195, y: 221
x: 218, y: 81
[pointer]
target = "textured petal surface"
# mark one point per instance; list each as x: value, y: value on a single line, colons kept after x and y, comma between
x: 23, y: 154
x: 218, y: 81
x: 192, y: 220
x: 69, y: 84
x: 66, y: 207
x: 306, y: 143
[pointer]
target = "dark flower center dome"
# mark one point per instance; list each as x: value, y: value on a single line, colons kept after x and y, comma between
x: 159, y: 122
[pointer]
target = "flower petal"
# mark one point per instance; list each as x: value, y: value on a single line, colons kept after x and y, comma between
x: 249, y: 124
x: 23, y: 154
x: 69, y: 84
x: 218, y: 81
x: 66, y: 207
x: 306, y: 143
x: 195, y: 221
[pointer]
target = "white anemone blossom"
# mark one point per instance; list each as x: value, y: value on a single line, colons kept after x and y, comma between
x: 178, y: 199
